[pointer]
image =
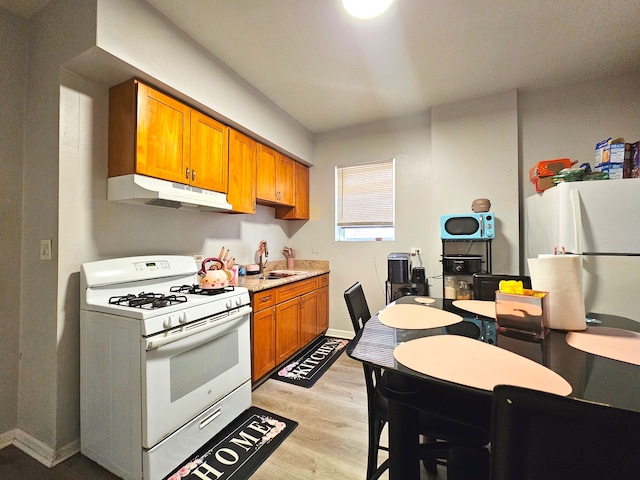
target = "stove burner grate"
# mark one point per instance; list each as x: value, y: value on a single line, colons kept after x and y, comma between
x: 147, y: 301
x: 196, y: 290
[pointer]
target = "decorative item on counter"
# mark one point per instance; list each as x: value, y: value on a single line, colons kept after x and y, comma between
x: 263, y: 251
x: 480, y: 205
x: 521, y: 311
x: 252, y: 269
x: 561, y: 276
x: 212, y: 275
x: 290, y: 254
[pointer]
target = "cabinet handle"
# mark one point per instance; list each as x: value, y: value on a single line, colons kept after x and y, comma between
x: 265, y: 299
x: 193, y: 175
x: 187, y: 173
x: 278, y: 195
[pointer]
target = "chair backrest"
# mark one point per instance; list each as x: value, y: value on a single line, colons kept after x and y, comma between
x: 357, y: 306
x: 486, y: 284
x: 538, y: 435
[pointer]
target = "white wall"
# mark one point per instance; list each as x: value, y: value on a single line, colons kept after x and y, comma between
x: 65, y: 166
x: 475, y: 155
x: 65, y: 184
x: 137, y: 34
x: 568, y: 121
x: 445, y: 159
x: 407, y: 140
x: 13, y: 59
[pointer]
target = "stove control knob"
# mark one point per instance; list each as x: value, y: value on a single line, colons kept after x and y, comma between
x: 229, y: 304
x: 183, y: 318
x: 168, y: 322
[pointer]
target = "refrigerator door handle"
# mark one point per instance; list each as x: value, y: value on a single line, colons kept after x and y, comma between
x: 577, y: 220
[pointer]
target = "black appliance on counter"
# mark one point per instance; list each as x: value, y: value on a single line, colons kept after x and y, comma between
x: 399, y: 267
x: 402, y: 280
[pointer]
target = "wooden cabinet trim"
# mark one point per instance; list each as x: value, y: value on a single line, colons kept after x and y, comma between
x: 296, y: 289
x: 264, y: 299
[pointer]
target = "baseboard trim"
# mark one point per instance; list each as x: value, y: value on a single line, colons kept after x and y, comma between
x: 6, y: 438
x: 348, y: 334
x: 41, y: 452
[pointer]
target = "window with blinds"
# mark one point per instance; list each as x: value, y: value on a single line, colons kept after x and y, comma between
x: 365, y: 201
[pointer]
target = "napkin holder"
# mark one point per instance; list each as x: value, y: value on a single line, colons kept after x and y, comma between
x: 523, y: 315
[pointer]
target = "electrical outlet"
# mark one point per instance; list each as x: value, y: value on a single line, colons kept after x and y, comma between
x: 416, y: 252
x: 198, y: 257
x: 45, y: 249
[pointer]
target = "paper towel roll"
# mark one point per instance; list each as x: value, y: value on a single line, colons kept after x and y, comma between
x: 561, y: 276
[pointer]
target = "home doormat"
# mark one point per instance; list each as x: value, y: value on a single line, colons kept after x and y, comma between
x: 238, y: 450
x: 305, y: 369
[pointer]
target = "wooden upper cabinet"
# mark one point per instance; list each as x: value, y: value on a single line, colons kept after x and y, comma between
x: 209, y: 153
x: 241, y: 191
x: 300, y: 209
x: 162, y: 141
x: 275, y: 177
x: 153, y: 134
x: 284, y: 180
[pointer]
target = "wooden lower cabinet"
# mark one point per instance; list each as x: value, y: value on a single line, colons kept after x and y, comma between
x: 287, y: 329
x: 286, y: 319
x: 308, y: 317
x: 264, y: 342
x: 322, y: 321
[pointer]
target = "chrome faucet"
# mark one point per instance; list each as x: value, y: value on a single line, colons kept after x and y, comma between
x: 263, y: 250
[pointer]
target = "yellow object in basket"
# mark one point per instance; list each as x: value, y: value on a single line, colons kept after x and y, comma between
x: 514, y: 287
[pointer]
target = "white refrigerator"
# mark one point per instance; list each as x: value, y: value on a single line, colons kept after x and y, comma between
x: 599, y: 220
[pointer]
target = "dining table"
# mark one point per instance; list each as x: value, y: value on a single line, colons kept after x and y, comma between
x: 445, y: 359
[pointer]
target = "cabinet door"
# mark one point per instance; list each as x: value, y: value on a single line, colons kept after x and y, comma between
x: 163, y: 138
x: 264, y: 342
x: 284, y: 180
x: 322, y: 322
x: 308, y: 317
x: 241, y: 191
x: 209, y: 153
x: 266, y: 171
x: 300, y: 209
x: 287, y: 331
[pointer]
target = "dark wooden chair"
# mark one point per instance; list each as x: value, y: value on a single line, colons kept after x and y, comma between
x: 541, y: 436
x: 432, y: 427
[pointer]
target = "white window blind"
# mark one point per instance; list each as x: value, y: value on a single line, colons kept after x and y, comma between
x: 365, y: 194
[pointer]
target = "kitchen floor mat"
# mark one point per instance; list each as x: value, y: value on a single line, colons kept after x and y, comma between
x: 238, y: 450
x: 306, y: 368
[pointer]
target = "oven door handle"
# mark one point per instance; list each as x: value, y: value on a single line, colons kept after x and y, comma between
x: 157, y: 342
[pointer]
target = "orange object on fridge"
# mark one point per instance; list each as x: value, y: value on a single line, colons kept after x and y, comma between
x: 548, y: 168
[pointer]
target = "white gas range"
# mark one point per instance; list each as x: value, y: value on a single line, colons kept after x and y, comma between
x: 164, y: 364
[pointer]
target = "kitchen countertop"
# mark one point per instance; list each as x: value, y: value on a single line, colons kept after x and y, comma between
x: 256, y: 283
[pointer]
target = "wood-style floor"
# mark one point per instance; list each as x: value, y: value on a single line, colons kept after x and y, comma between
x: 329, y: 443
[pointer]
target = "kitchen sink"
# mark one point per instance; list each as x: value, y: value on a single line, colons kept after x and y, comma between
x: 284, y: 273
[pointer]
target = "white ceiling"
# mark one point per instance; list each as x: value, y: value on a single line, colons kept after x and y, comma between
x: 330, y: 71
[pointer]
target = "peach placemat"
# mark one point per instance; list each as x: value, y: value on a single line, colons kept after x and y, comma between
x: 424, y: 300
x: 614, y: 343
x: 486, y: 308
x: 411, y: 317
x: 477, y: 364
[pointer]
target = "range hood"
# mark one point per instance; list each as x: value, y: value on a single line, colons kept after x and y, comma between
x: 142, y: 190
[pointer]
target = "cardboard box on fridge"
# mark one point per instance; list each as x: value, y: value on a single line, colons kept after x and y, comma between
x: 543, y: 183
x: 615, y: 171
x: 609, y: 150
x: 632, y: 163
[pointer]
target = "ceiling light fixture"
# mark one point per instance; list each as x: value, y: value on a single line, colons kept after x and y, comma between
x: 366, y: 9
